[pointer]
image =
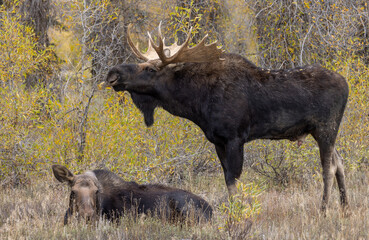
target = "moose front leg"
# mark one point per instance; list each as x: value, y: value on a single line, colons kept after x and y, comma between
x: 231, y: 159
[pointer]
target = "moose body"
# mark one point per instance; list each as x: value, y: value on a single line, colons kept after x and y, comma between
x: 102, y: 193
x: 233, y: 101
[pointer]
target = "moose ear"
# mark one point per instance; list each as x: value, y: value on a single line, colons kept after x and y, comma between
x: 62, y: 174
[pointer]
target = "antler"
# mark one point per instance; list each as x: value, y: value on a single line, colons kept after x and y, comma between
x: 177, y: 53
x: 199, y: 53
x: 150, y: 53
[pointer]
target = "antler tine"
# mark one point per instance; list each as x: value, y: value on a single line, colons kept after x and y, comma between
x: 185, y: 44
x: 156, y: 48
x: 202, y: 42
x: 159, y: 49
x: 133, y: 47
x: 161, y: 38
x: 160, y: 35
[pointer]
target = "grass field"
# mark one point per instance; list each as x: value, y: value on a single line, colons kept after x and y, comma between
x: 36, y: 212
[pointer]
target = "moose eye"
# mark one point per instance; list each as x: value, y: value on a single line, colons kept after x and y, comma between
x: 150, y: 69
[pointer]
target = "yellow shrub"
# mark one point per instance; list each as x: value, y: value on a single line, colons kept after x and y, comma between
x: 19, y: 55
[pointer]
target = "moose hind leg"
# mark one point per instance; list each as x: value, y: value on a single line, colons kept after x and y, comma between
x: 326, y: 150
x: 340, y: 176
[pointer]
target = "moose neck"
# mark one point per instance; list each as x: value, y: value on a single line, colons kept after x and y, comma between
x: 177, y: 91
x: 198, y: 92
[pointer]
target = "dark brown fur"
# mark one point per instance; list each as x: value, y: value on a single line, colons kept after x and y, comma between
x: 234, y: 102
x: 102, y: 193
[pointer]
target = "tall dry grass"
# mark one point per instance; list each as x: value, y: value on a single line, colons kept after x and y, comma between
x: 36, y: 212
x: 294, y: 213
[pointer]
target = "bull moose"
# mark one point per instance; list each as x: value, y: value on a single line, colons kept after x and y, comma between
x: 233, y: 101
x: 102, y: 193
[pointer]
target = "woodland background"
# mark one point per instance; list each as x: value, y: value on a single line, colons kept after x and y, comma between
x: 53, y: 54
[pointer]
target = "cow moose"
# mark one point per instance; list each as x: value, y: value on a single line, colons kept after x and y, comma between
x: 102, y: 193
x: 233, y: 101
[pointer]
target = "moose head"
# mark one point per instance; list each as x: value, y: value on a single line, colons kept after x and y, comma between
x: 84, y: 196
x: 162, y: 64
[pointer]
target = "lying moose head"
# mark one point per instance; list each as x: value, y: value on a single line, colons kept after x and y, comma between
x: 85, y: 193
x: 102, y: 193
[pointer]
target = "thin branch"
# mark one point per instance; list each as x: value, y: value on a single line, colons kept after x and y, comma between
x: 303, y: 44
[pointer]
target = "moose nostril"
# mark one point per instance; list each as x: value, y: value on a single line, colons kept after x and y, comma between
x: 87, y: 211
x: 112, y: 80
x: 87, y: 215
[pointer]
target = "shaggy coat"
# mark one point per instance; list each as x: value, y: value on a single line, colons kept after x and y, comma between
x: 102, y: 193
x: 234, y: 102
